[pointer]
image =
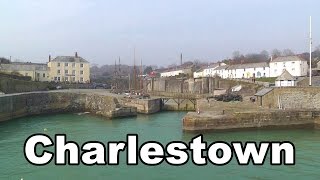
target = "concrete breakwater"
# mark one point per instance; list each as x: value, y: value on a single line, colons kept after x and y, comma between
x: 104, y: 104
x: 255, y: 119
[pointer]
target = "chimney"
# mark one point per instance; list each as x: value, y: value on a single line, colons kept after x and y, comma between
x: 76, y: 54
x: 49, y: 58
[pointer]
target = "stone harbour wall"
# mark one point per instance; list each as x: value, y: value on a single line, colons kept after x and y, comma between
x: 292, y: 98
x: 25, y: 104
x: 248, y: 120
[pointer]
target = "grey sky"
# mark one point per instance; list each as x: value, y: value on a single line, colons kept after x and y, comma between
x: 102, y: 30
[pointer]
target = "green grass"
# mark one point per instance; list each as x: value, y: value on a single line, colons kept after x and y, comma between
x: 267, y: 79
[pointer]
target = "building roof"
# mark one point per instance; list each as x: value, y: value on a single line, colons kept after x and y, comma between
x: 221, y: 67
x: 285, y: 76
x: 288, y: 58
x: 213, y: 65
x: 69, y: 59
x: 24, y: 66
x: 248, y: 65
x: 263, y: 92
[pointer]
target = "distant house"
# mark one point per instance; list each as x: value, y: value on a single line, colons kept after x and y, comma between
x: 248, y: 70
x: 69, y: 69
x: 176, y: 71
x: 221, y: 71
x: 37, y: 71
x: 285, y: 79
x: 198, y: 73
x: 295, y: 65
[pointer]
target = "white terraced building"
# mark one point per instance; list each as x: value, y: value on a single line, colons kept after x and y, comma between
x: 249, y: 70
x: 295, y: 65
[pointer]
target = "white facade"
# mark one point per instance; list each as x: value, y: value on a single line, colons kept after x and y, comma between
x: 198, y: 74
x: 283, y: 83
x: 250, y: 70
x: 171, y: 73
x: 295, y: 65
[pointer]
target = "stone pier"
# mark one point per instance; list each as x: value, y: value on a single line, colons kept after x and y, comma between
x: 97, y: 102
x: 251, y: 120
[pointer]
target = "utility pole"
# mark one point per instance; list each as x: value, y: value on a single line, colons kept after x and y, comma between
x: 141, y: 76
x: 181, y: 59
x: 310, y: 55
x: 129, y: 83
x: 134, y: 68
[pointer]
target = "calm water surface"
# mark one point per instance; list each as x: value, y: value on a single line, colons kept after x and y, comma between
x: 163, y: 127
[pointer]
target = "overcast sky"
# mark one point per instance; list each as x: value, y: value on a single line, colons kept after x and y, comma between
x: 102, y: 30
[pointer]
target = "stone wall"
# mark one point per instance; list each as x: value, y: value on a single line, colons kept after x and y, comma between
x: 292, y: 98
x: 10, y: 85
x: 246, y: 120
x: 144, y: 106
x: 25, y: 104
x: 173, y: 85
x: 200, y: 85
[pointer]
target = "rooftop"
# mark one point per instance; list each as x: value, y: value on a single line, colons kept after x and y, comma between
x: 288, y: 58
x: 285, y: 76
x: 69, y: 59
x: 248, y: 65
x: 263, y: 92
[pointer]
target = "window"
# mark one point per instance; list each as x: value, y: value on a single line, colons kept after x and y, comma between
x: 55, y: 78
x: 284, y: 64
x: 293, y: 69
x: 254, y: 69
x: 38, y: 74
x: 27, y: 74
x: 81, y: 65
x: 58, y: 78
x: 264, y: 68
x: 293, y: 62
x: 244, y: 69
x: 73, y: 79
x: 58, y: 64
x: 66, y: 78
x: 66, y: 71
x: 59, y: 72
x: 44, y: 75
x: 73, y: 64
x: 73, y: 72
x: 275, y: 70
x: 81, y: 79
x: 66, y: 64
x: 81, y: 72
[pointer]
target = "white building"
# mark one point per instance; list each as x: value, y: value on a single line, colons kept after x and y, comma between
x: 295, y: 65
x: 184, y: 69
x: 198, y: 74
x: 221, y: 71
x: 249, y: 70
x: 171, y: 73
x: 285, y: 79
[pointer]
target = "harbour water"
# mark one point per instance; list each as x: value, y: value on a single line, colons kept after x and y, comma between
x: 162, y: 127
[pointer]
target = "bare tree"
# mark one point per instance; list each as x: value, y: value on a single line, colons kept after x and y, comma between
x: 276, y: 53
x: 287, y: 52
x: 236, y: 55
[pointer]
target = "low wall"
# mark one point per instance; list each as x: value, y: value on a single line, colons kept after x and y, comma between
x: 24, y: 104
x: 292, y: 98
x: 144, y: 106
x: 246, y: 120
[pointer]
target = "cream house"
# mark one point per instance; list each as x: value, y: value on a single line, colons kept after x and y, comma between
x: 69, y: 69
x: 37, y: 71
